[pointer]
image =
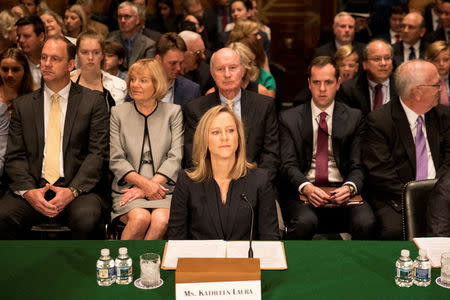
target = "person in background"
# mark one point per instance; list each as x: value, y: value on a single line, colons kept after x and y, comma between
x: 146, y: 148
x: 254, y: 16
x: 91, y: 55
x: 248, y: 28
x: 87, y: 6
x: 15, y: 77
x: 54, y: 25
x: 240, y: 11
x: 170, y: 51
x: 31, y: 34
x: 438, y: 53
x: 20, y: 11
x: 31, y: 6
x: 442, y: 32
x: 75, y: 20
x: 8, y: 34
x: 114, y: 57
x: 208, y: 201
x: 148, y: 32
x: 165, y: 19
x: 347, y: 61
x: 397, y: 13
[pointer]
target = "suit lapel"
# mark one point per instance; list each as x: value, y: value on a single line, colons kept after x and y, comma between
x: 72, y: 110
x: 136, y: 50
x: 236, y: 204
x: 38, y: 115
x: 247, y: 111
x: 307, y: 129
x: 432, y: 126
x: 404, y: 130
x: 213, y: 212
x: 176, y: 85
x: 337, y: 131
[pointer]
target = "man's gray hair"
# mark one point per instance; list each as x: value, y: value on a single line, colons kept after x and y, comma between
x: 341, y: 14
x: 129, y: 4
x: 408, y: 75
x: 188, y: 36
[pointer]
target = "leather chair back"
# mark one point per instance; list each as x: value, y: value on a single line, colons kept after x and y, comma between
x: 415, y: 196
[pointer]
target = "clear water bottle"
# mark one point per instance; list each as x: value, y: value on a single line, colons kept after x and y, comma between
x: 106, y: 273
x: 404, y: 270
x: 124, y: 267
x: 422, y: 267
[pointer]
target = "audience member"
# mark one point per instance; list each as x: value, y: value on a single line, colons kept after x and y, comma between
x: 137, y: 45
x: 240, y: 11
x: 15, y: 77
x: 256, y: 111
x: 438, y: 208
x: 443, y: 31
x: 59, y: 177
x: 165, y: 19
x: 431, y: 15
x: 19, y: 11
x: 374, y: 87
x: 170, y: 51
x: 195, y: 67
x: 75, y: 20
x: 54, y: 25
x: 148, y: 32
x: 254, y: 16
x: 397, y: 13
x: 8, y: 34
x: 31, y: 34
x: 346, y: 59
x: 209, y: 200
x: 412, y: 46
x: 221, y: 10
x: 114, y: 58
x: 308, y: 162
x: 438, y: 54
x: 91, y: 24
x: 344, y: 33
x: 406, y: 139
x: 251, y: 70
x: 91, y: 56
x: 31, y: 6
x: 146, y: 152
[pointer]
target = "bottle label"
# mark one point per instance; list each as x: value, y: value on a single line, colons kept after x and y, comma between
x: 125, y: 272
x: 105, y: 273
x: 404, y: 274
x: 423, y: 274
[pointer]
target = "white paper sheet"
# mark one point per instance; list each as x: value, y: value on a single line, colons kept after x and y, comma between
x: 189, y: 248
x: 435, y: 247
x: 270, y: 253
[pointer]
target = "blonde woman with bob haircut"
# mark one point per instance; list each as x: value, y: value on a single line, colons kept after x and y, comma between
x: 210, y: 200
x: 146, y: 148
x: 438, y: 53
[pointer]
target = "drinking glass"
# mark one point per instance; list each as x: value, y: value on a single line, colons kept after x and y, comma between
x: 150, y: 264
x: 445, y: 268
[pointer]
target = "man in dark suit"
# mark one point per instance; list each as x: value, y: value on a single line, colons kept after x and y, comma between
x: 397, y: 13
x: 431, y: 16
x: 136, y: 44
x: 438, y: 210
x: 406, y: 139
x: 374, y: 86
x: 412, y: 46
x: 195, y: 67
x: 320, y: 146
x: 170, y: 51
x: 57, y: 150
x: 344, y: 33
x: 256, y: 111
x: 443, y: 31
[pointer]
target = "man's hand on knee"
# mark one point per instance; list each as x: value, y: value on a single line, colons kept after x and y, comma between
x: 36, y: 199
x: 62, y: 198
x: 315, y: 195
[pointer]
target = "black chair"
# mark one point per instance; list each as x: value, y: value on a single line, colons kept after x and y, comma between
x: 415, y: 196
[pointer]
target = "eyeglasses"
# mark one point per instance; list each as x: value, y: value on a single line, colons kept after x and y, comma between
x: 378, y: 59
x: 198, y: 53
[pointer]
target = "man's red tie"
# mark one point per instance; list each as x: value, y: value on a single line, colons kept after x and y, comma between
x: 378, y: 101
x: 322, y: 152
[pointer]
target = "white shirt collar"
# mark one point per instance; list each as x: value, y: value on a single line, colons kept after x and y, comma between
x: 410, y: 114
x: 373, y: 84
x: 64, y: 92
x: 316, y: 111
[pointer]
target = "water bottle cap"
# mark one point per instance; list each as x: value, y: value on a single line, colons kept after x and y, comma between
x: 405, y: 253
x: 422, y: 252
x: 104, y: 252
x: 123, y: 250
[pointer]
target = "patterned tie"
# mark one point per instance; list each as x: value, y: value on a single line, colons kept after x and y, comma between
x: 322, y: 152
x: 378, y: 101
x: 230, y: 104
x: 421, y: 152
x: 444, y: 94
x: 51, y: 165
x: 412, y: 53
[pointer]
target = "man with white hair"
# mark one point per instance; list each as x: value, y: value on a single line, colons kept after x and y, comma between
x: 195, y: 67
x: 256, y: 111
x: 406, y: 139
x: 344, y: 33
x: 137, y: 45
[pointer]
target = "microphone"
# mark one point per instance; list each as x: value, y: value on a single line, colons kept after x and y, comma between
x: 250, y: 250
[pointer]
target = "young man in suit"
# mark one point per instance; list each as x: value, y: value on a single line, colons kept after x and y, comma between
x: 396, y: 15
x: 57, y: 151
x: 406, y: 139
x: 256, y: 111
x: 412, y: 45
x: 374, y: 86
x: 136, y: 44
x: 320, y: 146
x: 170, y: 51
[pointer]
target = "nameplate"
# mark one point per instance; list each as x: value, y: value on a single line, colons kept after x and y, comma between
x: 228, y: 290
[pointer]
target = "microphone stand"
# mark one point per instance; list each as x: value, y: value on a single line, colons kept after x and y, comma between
x: 250, y: 250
